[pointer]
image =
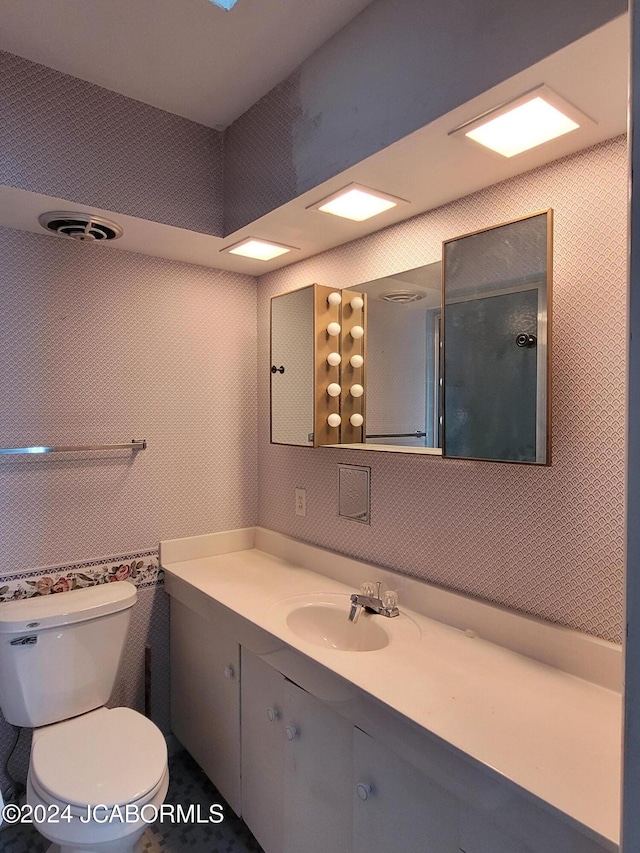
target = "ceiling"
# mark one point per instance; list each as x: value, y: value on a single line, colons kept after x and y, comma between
x: 428, y: 168
x: 161, y: 51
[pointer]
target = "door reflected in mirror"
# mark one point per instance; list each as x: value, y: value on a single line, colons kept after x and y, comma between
x: 402, y: 360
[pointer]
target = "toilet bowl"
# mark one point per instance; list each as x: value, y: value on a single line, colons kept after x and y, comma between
x: 97, y: 776
x: 95, y: 782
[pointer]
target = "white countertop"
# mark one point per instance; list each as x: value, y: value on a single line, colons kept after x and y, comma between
x: 554, y: 734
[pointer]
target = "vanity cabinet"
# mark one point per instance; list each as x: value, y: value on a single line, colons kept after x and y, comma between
x: 296, y: 765
x: 313, y: 781
x: 478, y: 835
x: 205, y: 698
x: 397, y: 807
x: 307, y: 778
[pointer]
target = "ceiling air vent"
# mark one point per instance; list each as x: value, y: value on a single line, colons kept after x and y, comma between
x: 402, y: 296
x: 80, y: 226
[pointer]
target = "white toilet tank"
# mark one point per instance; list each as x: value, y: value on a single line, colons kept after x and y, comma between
x: 59, y: 653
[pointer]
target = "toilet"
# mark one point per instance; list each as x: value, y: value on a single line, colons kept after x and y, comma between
x: 97, y: 775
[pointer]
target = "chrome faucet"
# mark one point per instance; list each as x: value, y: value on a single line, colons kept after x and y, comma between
x: 372, y: 602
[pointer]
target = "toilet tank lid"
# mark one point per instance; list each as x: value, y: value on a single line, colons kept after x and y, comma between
x: 64, y: 608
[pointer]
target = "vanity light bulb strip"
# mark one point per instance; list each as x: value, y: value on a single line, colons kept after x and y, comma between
x: 328, y: 332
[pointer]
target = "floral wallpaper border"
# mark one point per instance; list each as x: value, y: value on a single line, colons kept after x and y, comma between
x: 142, y: 569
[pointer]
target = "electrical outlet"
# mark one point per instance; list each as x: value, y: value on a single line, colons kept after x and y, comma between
x: 301, y: 501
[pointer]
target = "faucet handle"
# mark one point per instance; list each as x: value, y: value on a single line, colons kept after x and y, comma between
x: 368, y: 588
x: 390, y: 598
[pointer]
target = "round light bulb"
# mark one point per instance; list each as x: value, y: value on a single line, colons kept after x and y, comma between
x: 334, y: 298
x: 334, y: 358
x: 357, y: 332
x: 334, y: 420
x: 357, y: 303
x: 334, y: 389
x: 356, y: 361
x: 356, y: 390
x: 356, y: 420
x: 333, y: 329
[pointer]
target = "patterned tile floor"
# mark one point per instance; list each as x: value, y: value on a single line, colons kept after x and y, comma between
x: 188, y: 785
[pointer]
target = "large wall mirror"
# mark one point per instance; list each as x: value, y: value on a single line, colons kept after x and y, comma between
x: 496, y: 329
x: 456, y: 354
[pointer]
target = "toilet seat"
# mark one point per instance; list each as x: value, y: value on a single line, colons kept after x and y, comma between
x: 110, y: 757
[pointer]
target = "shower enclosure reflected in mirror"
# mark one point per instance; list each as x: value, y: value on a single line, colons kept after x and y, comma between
x: 496, y: 335
x: 402, y: 361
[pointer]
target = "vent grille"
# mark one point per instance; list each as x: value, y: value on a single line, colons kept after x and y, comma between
x: 402, y: 296
x: 80, y: 226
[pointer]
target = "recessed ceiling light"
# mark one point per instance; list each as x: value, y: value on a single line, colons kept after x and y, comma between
x: 357, y: 203
x: 260, y: 250
x: 532, y: 119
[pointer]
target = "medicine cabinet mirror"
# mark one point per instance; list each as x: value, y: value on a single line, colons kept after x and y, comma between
x: 454, y: 359
x: 292, y: 365
x: 402, y: 360
x: 496, y: 333
x: 317, y: 383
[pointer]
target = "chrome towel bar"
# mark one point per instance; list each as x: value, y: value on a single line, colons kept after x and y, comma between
x: 134, y: 444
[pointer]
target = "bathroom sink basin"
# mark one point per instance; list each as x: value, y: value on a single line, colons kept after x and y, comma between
x: 327, y: 624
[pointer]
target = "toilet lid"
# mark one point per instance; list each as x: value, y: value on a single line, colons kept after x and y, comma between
x: 108, y: 757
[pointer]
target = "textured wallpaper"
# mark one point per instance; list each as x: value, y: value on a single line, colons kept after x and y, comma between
x: 64, y: 137
x: 100, y: 346
x: 546, y: 541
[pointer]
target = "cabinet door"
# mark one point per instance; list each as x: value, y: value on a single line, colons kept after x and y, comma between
x: 317, y: 773
x: 395, y: 807
x: 205, y: 698
x: 479, y: 835
x: 528, y: 829
x: 262, y: 751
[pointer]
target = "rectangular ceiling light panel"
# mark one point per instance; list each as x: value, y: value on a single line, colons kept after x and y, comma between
x: 530, y: 120
x: 357, y: 203
x: 260, y: 250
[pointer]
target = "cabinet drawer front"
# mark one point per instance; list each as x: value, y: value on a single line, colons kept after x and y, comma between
x: 205, y: 698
